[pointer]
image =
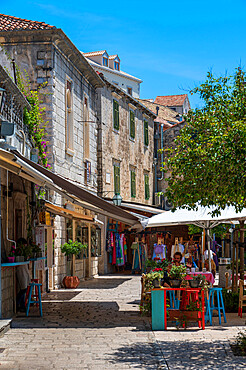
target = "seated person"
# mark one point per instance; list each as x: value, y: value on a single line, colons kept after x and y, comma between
x: 177, y: 257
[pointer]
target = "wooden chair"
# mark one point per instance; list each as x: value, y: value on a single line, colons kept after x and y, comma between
x: 242, y: 299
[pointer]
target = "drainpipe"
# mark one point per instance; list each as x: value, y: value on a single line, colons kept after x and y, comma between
x: 162, y: 154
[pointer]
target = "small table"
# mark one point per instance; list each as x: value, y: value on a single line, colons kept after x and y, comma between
x: 159, y: 306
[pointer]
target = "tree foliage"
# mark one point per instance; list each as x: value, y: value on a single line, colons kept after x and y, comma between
x: 207, y: 164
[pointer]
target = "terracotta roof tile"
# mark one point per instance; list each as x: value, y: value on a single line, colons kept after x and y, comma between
x: 165, y: 114
x: 9, y: 23
x: 171, y: 100
x: 113, y: 56
x: 95, y: 53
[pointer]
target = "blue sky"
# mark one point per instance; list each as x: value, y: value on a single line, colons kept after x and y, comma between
x: 170, y: 45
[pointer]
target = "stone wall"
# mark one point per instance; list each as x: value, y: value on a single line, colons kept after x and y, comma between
x: 40, y: 55
x: 117, y: 147
x: 7, y: 292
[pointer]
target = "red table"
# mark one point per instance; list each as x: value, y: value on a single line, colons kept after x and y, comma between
x: 184, y: 289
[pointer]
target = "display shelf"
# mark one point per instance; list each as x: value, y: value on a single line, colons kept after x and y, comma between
x: 13, y: 264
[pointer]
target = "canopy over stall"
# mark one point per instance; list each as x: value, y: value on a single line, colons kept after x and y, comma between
x: 202, y: 218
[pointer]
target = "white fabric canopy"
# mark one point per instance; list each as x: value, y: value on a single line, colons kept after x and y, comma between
x: 202, y: 217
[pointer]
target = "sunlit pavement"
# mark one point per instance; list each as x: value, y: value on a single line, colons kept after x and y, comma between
x: 98, y: 326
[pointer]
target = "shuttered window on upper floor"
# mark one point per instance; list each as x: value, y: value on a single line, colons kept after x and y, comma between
x: 133, y: 184
x: 132, y: 124
x: 116, y: 116
x: 146, y: 133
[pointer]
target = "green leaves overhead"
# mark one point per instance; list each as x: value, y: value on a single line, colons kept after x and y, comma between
x: 207, y: 164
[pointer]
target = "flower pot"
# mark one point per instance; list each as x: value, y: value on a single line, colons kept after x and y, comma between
x: 148, y: 269
x: 156, y: 283
x: 70, y: 282
x: 194, y: 283
x: 11, y: 259
x: 175, y: 283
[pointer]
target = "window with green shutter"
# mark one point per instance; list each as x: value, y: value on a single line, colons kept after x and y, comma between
x: 116, y: 179
x: 116, y: 116
x: 132, y: 124
x: 146, y: 133
x: 133, y: 184
x: 146, y: 186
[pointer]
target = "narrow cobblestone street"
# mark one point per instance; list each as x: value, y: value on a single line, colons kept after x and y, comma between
x: 99, y: 327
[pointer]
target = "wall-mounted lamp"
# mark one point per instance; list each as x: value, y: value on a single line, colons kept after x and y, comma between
x: 117, y: 199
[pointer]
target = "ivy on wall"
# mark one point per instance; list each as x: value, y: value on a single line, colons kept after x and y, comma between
x: 33, y: 118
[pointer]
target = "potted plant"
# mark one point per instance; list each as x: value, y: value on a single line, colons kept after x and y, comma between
x: 157, y: 275
x: 36, y: 251
x: 72, y: 248
x: 23, y: 251
x: 164, y: 263
x: 11, y: 256
x: 150, y: 265
x: 194, y: 280
x: 176, y: 275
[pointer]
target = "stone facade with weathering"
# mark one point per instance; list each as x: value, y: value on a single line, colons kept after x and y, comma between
x: 117, y: 148
x: 48, y: 56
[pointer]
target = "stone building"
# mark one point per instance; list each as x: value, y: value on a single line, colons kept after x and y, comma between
x: 125, y: 149
x: 15, y: 186
x: 68, y: 85
x: 125, y: 146
x: 50, y: 58
x: 166, y: 127
x: 178, y: 103
x: 110, y: 66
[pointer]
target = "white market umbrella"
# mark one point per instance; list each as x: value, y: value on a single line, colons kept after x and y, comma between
x: 202, y: 218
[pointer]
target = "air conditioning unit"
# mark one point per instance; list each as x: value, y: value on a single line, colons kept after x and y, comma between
x: 158, y: 199
x: 167, y: 205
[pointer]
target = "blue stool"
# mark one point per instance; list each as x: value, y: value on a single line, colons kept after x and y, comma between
x: 220, y: 302
x: 37, y: 301
x: 208, y: 315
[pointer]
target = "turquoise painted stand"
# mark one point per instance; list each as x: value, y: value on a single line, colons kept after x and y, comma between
x: 157, y: 301
x: 29, y: 301
x: 220, y: 303
x: 208, y: 315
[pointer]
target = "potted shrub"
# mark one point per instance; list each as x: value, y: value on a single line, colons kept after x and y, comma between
x: 72, y: 248
x: 36, y: 251
x: 176, y: 275
x: 157, y: 275
x: 150, y: 265
x: 11, y: 256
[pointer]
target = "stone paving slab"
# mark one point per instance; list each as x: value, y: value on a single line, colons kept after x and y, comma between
x: 98, y: 326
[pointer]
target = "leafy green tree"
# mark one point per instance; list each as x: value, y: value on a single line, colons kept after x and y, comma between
x: 207, y: 164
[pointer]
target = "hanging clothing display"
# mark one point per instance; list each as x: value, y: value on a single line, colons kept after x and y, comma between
x: 117, y: 248
x: 178, y: 248
x: 159, y: 251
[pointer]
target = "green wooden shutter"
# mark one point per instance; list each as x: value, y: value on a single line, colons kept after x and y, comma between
x: 132, y: 124
x: 146, y: 186
x: 146, y: 133
x: 116, y: 115
x: 117, y: 179
x: 133, y: 184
